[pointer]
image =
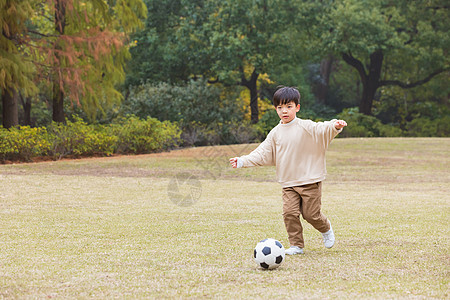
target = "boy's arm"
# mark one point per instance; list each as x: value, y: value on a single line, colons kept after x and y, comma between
x: 261, y: 156
x: 325, y: 132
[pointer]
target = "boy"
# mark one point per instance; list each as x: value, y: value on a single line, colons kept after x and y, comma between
x: 297, y: 148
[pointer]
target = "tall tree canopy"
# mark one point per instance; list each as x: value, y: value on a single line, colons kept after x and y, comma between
x: 78, y: 46
x: 164, y: 50
x: 231, y: 42
x: 403, y: 43
x: 16, y: 73
x: 248, y: 38
x: 84, y: 46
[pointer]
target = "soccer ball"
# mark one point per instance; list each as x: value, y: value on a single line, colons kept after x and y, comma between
x: 269, y: 254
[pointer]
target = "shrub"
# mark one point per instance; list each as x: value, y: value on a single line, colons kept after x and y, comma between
x: 135, y: 135
x: 79, y: 139
x: 240, y: 133
x: 23, y: 143
x: 268, y: 121
x: 197, y: 101
x: 199, y: 134
x: 201, y: 110
x: 424, y: 127
x: 126, y: 135
x: 361, y: 125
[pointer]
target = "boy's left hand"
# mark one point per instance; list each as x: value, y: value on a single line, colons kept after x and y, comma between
x: 339, y: 124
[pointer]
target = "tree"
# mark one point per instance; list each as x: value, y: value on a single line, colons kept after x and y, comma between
x: 173, y: 47
x: 158, y: 55
x: 248, y: 38
x: 401, y: 43
x: 228, y: 42
x: 16, y: 74
x: 82, y: 47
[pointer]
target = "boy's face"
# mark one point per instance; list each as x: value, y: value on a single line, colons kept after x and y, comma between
x: 287, y: 112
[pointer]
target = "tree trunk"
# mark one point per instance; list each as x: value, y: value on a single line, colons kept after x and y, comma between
x: 254, y: 102
x: 366, y: 102
x: 58, y: 93
x: 321, y: 90
x: 371, y: 81
x: 252, y: 86
x: 10, y: 108
x: 26, y: 105
x: 58, y: 103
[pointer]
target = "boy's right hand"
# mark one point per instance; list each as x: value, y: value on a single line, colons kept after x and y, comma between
x: 339, y: 124
x: 234, y: 162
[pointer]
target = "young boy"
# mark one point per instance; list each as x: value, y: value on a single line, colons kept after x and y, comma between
x: 297, y: 148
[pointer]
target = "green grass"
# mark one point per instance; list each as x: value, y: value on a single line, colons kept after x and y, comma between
x: 106, y: 228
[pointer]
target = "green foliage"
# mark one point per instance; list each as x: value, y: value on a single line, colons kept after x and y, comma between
x: 23, y: 143
x: 289, y: 74
x: 399, y: 106
x: 16, y: 73
x: 199, y: 134
x: 79, y: 139
x: 344, y: 87
x: 239, y: 132
x: 84, y: 54
x: 429, y: 128
x: 160, y: 52
x: 316, y: 112
x: 205, y: 113
x: 135, y: 135
x: 422, y: 111
x: 403, y: 43
x: 269, y: 120
x: 186, y: 43
x: 223, y: 41
x: 253, y: 34
x: 129, y: 135
x: 361, y: 125
x: 196, y: 101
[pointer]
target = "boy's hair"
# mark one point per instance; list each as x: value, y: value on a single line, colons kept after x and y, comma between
x: 286, y: 94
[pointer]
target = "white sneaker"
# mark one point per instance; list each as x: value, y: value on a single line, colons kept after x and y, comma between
x: 328, y: 237
x: 294, y: 250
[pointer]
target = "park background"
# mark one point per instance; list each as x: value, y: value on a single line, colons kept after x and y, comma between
x: 107, y: 77
x: 102, y: 77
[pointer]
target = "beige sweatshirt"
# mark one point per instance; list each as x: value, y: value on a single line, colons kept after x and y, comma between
x: 297, y: 149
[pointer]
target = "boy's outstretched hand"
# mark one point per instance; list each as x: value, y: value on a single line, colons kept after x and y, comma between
x: 339, y: 124
x: 233, y: 162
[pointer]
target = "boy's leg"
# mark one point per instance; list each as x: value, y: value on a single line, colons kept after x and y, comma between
x: 291, y: 217
x: 311, y: 204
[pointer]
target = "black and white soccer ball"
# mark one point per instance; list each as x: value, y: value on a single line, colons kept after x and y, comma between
x: 269, y: 254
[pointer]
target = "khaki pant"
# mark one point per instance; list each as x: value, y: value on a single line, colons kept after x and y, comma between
x: 303, y: 200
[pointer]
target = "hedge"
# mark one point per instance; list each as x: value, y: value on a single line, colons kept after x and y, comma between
x: 127, y: 135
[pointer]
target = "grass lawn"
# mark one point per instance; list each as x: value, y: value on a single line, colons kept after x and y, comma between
x: 109, y: 228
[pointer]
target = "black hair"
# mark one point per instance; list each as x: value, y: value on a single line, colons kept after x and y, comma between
x: 286, y: 94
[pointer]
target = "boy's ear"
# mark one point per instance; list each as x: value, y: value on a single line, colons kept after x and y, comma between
x: 298, y: 108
